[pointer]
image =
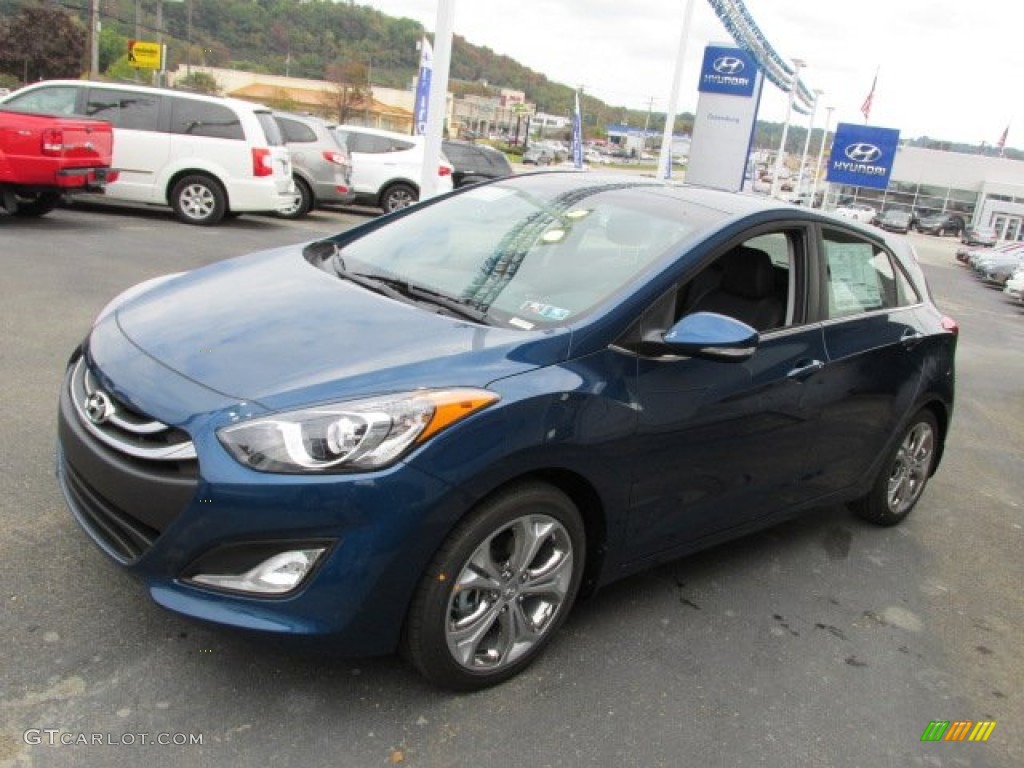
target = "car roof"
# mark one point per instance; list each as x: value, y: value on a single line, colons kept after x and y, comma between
x: 380, y: 132
x: 238, y: 103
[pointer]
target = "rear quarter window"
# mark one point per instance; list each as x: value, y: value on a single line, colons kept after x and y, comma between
x: 130, y: 110
x: 54, y: 100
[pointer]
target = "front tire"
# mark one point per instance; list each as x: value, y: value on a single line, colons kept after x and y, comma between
x: 904, y: 475
x: 498, y: 589
x: 398, y: 196
x: 199, y: 200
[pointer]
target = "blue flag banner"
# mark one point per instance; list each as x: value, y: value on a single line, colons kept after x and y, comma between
x: 421, y: 108
x: 862, y: 155
x: 577, y: 136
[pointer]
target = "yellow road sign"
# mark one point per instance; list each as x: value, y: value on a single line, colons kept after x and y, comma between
x: 144, y: 54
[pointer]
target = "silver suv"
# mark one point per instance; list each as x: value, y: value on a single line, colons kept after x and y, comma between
x: 321, y: 165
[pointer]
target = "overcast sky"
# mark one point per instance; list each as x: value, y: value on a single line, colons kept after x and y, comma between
x: 948, y: 70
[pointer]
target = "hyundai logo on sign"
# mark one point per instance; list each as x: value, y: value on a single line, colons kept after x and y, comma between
x: 728, y: 65
x: 863, y: 155
x: 731, y: 71
x: 862, y: 152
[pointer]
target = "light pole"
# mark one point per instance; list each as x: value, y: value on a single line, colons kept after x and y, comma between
x: 821, y: 154
x: 798, y: 64
x: 807, y: 142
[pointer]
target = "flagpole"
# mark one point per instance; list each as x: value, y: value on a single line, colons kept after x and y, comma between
x: 665, y: 158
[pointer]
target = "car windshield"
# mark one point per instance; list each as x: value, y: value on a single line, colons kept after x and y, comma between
x: 530, y: 252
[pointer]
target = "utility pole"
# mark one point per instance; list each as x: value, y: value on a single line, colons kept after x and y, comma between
x: 94, y: 39
x: 647, y: 123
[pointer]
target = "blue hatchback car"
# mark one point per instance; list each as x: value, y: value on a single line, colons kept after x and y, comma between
x: 435, y: 430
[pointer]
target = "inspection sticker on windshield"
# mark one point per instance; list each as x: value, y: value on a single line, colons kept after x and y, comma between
x: 546, y: 311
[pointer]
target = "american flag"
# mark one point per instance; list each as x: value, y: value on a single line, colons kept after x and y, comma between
x: 865, y: 108
x: 1002, y: 140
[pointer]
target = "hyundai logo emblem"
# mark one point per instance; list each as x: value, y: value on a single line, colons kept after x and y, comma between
x: 98, y: 407
x: 728, y: 65
x: 862, y: 152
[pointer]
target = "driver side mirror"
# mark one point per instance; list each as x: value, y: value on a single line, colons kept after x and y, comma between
x: 711, y: 336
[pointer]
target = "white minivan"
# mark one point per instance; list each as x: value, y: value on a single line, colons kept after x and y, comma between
x: 205, y: 156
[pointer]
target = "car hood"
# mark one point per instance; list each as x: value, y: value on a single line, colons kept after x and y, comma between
x: 273, y: 329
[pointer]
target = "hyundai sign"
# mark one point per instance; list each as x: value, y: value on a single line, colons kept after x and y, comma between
x: 723, y: 128
x: 731, y: 71
x: 862, y: 155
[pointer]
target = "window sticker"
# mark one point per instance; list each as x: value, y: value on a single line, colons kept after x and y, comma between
x: 547, y: 311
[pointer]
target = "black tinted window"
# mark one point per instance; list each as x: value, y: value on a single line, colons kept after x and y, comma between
x: 295, y: 132
x: 137, y: 111
x: 200, y: 118
x: 371, y: 144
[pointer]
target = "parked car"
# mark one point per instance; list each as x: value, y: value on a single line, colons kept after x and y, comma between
x: 386, y: 167
x: 895, y: 221
x: 204, y: 156
x: 857, y: 212
x: 996, y: 268
x: 975, y: 235
x: 473, y: 163
x: 321, y: 166
x: 538, y: 155
x: 440, y: 427
x: 45, y: 157
x: 1014, y: 288
x: 941, y: 224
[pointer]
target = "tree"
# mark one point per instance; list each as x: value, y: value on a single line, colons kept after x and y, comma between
x: 349, y: 91
x: 42, y: 43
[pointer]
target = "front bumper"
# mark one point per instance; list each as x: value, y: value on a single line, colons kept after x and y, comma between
x: 381, y: 531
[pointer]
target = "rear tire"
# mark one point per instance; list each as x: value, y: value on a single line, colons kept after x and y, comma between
x: 498, y: 589
x: 199, y: 200
x: 903, y: 477
x: 398, y: 196
x: 302, y: 203
x: 38, y: 205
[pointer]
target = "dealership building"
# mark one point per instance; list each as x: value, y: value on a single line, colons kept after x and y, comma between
x: 986, y: 191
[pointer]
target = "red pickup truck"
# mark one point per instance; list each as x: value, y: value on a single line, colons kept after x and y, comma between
x: 43, y: 157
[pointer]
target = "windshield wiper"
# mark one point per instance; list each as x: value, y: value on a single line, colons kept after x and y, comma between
x: 403, y: 290
x: 430, y: 296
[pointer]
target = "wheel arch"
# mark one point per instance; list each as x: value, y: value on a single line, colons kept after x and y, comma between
x: 387, y: 185
x: 183, y: 172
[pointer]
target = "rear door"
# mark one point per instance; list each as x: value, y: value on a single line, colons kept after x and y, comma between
x: 875, y: 358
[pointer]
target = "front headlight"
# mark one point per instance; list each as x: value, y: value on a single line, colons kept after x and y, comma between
x: 349, y: 436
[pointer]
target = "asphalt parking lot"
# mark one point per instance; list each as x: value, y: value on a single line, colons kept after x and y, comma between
x: 822, y: 642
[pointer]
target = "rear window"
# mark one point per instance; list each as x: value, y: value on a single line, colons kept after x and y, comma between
x: 270, y: 129
x: 201, y: 118
x: 52, y: 100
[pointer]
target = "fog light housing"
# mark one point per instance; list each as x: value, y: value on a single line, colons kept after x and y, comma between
x: 255, y: 570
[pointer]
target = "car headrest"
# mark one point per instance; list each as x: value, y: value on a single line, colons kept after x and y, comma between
x: 748, y: 273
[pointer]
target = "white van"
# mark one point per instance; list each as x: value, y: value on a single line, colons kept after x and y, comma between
x: 204, y: 156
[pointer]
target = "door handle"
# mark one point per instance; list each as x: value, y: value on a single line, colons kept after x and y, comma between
x: 804, y: 369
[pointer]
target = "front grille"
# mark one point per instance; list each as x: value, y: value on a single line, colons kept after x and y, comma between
x: 125, y: 476
x: 120, y: 426
x: 126, y: 538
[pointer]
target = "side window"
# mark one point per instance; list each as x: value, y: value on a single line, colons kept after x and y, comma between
x: 754, y: 281
x: 125, y: 109
x: 295, y: 132
x: 201, y: 118
x: 861, y: 277
x: 55, y: 100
